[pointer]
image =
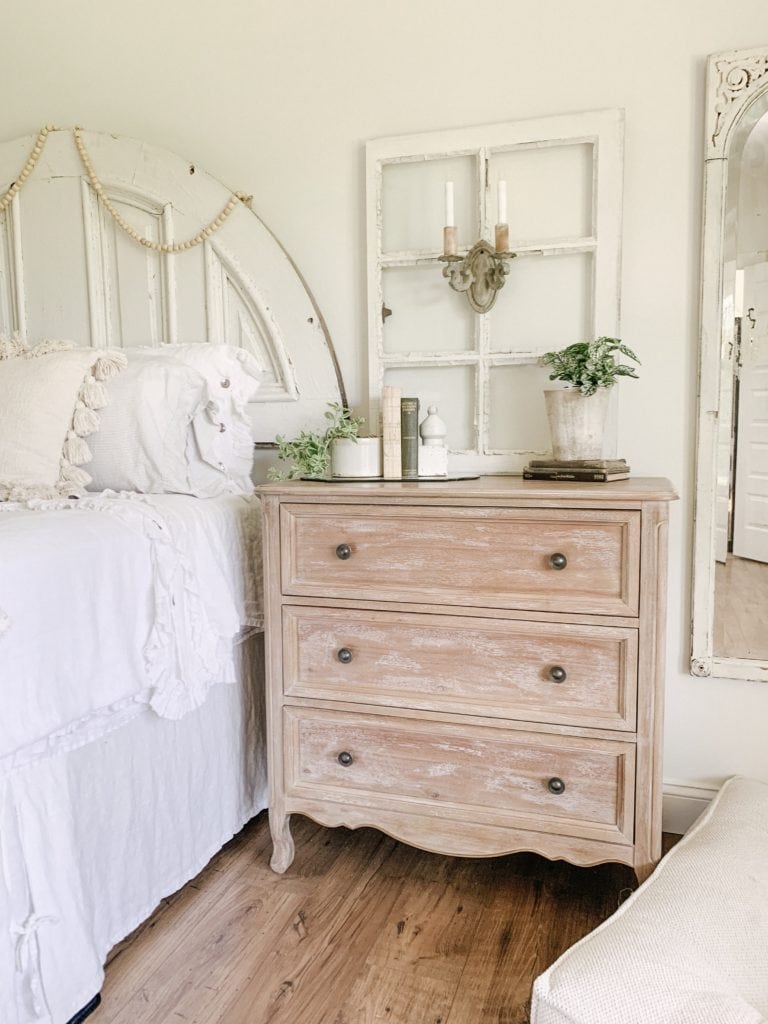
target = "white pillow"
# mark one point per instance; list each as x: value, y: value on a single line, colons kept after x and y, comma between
x: 222, y: 457
x: 49, y: 395
x: 145, y: 436
x: 179, y: 423
x: 232, y: 374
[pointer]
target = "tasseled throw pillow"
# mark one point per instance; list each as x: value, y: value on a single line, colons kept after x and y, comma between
x: 49, y: 395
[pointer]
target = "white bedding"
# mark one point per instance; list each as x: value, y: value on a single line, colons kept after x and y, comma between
x: 111, y: 603
x: 92, y: 840
x: 124, y: 764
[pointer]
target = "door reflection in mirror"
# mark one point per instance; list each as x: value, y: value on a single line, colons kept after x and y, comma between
x: 741, y: 514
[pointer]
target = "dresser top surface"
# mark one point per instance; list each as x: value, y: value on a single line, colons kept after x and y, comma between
x: 491, y: 488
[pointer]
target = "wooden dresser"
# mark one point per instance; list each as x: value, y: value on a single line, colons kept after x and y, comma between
x: 473, y: 667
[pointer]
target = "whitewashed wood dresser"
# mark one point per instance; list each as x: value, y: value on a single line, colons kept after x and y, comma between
x: 473, y: 667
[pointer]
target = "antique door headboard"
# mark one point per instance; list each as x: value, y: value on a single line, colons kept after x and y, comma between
x: 68, y: 270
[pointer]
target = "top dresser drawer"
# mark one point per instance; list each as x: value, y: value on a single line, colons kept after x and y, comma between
x: 535, y: 559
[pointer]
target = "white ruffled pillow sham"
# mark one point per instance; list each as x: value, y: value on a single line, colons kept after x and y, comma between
x: 49, y: 395
x: 223, y: 432
x: 194, y: 400
x: 143, y: 441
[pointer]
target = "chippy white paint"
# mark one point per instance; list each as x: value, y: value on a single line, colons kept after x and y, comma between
x: 604, y: 130
x: 67, y: 269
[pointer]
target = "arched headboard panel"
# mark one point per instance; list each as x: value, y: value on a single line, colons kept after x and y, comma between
x: 67, y: 270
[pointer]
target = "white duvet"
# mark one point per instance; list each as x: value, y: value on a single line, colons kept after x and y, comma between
x: 110, y: 603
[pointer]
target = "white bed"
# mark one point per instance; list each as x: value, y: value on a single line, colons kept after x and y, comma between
x: 131, y: 750
x: 96, y: 872
x: 131, y: 742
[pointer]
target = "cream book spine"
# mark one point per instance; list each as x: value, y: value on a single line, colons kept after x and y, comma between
x: 390, y: 432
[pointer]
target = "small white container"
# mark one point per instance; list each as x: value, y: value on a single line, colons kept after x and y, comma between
x: 356, y: 458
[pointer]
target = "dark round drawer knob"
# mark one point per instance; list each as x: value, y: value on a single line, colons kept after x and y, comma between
x: 343, y: 551
x: 558, y: 560
x: 556, y: 786
x: 557, y: 674
x: 345, y: 758
x: 344, y: 655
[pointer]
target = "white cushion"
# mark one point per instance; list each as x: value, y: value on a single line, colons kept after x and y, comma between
x: 232, y: 374
x: 48, y: 398
x: 691, y: 945
x: 142, y: 444
x: 222, y: 457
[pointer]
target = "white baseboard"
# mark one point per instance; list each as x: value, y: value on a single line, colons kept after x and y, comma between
x: 682, y: 803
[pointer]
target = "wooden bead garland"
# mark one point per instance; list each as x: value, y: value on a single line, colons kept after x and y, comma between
x: 28, y: 167
x: 148, y: 243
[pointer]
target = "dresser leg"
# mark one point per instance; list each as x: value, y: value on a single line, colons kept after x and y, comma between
x: 642, y: 871
x: 282, y: 841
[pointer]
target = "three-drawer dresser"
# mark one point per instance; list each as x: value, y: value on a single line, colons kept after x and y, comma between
x: 474, y: 667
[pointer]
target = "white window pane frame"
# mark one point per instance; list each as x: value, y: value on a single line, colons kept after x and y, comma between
x: 603, y: 130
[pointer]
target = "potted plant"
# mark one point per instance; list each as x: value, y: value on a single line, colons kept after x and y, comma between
x: 577, y: 412
x: 309, y: 454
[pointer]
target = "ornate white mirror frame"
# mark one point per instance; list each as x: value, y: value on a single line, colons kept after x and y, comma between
x: 737, y: 97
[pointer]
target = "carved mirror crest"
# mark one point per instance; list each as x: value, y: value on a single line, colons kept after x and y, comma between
x: 730, y: 583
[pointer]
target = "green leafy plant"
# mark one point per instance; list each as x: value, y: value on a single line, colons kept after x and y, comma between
x: 589, y: 365
x: 309, y: 454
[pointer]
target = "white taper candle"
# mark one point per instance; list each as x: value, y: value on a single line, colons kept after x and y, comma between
x: 502, y: 202
x: 449, y: 215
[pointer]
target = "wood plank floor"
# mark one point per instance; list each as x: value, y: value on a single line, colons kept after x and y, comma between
x: 360, y: 930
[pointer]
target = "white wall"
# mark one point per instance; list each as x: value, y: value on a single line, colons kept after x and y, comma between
x: 276, y: 98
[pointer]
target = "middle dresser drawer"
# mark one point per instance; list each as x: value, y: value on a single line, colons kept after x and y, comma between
x: 533, y: 559
x: 530, y: 671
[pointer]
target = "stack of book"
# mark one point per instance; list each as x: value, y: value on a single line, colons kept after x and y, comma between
x: 580, y: 470
x: 400, y: 435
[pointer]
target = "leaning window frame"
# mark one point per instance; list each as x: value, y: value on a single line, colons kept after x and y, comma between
x: 604, y: 130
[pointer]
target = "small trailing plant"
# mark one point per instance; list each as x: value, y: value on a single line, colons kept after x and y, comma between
x: 589, y: 365
x: 309, y: 454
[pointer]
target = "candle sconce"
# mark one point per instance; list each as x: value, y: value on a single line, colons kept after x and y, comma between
x: 482, y: 273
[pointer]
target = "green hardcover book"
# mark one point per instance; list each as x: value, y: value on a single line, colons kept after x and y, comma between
x: 409, y: 437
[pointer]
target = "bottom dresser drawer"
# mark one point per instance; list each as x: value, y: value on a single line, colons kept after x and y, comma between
x: 549, y: 783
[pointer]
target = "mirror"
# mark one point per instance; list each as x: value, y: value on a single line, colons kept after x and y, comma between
x: 730, y: 584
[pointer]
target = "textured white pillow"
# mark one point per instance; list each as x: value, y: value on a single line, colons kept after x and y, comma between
x: 49, y: 395
x: 690, y: 946
x: 145, y: 437
x: 221, y: 455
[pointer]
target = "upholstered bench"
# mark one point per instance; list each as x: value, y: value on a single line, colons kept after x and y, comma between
x: 691, y: 945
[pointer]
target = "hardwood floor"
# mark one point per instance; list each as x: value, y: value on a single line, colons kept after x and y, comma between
x: 741, y: 608
x: 360, y: 930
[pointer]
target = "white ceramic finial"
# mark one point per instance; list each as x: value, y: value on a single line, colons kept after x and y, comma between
x: 433, y: 430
